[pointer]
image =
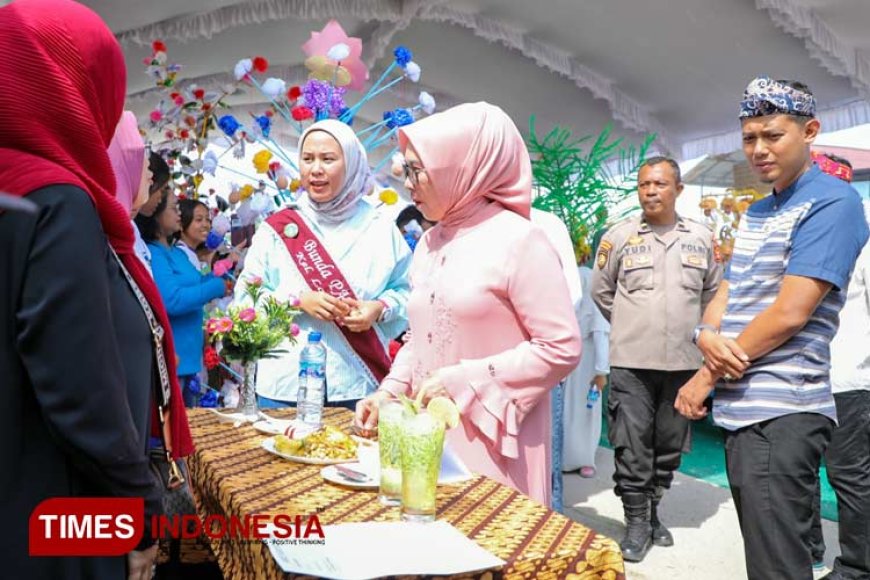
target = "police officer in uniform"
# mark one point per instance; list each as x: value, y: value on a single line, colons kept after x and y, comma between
x: 653, y: 277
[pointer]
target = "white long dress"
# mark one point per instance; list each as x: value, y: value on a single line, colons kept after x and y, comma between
x: 582, y: 426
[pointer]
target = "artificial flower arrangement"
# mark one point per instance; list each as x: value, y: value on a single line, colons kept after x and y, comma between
x: 723, y: 217
x: 187, y: 118
x: 184, y: 118
x: 249, y: 333
x: 335, y: 67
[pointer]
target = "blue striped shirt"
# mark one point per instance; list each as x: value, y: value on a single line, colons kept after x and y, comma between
x: 813, y: 228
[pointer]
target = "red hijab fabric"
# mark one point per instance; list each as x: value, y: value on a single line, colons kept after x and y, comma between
x: 64, y: 81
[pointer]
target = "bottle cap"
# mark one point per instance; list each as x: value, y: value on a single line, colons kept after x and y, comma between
x: 314, y: 336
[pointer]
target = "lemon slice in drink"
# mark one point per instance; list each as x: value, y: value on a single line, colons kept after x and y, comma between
x: 444, y: 409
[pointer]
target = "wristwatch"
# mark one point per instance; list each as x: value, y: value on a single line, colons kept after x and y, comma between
x: 696, y: 334
x: 385, y: 312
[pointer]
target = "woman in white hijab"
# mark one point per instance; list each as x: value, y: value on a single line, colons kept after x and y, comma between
x: 582, y: 419
x: 346, y: 262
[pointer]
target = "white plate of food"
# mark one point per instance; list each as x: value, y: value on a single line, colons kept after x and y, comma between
x: 326, y: 446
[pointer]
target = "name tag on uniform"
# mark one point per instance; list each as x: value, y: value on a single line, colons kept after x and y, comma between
x: 694, y: 261
x: 630, y: 263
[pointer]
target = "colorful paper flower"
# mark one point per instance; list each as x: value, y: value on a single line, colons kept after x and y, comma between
x: 156, y: 116
x: 246, y: 192
x: 294, y: 328
x: 322, y: 97
x: 224, y: 325
x: 213, y: 241
x: 388, y: 196
x: 338, y: 52
x: 209, y: 162
x: 158, y: 46
x: 255, y: 281
x: 413, y: 71
x: 199, y: 94
x: 294, y: 93
x: 229, y: 125
x: 261, y: 161
x: 301, y: 113
x: 209, y: 399
x: 264, y: 125
x: 194, y: 385
x: 248, y: 315
x: 403, y: 55
x: 222, y: 267
x: 398, y: 118
x: 221, y: 225
x: 260, y: 64
x: 273, y: 88
x: 243, y: 68
x: 211, y: 326
x: 210, y: 357
x: 295, y: 184
x: 319, y: 45
x: 427, y: 102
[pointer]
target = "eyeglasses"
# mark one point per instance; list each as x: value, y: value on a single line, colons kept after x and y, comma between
x: 412, y: 173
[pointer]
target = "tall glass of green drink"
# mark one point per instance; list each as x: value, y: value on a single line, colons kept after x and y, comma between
x: 422, y: 444
x: 390, y: 417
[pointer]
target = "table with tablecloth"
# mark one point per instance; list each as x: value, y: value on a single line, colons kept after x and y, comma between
x: 232, y: 475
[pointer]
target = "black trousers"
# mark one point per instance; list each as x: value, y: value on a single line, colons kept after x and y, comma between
x: 848, y: 461
x: 772, y: 469
x: 648, y: 435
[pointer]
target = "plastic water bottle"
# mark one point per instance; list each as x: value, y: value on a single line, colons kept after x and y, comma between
x: 312, y: 380
x: 592, y: 396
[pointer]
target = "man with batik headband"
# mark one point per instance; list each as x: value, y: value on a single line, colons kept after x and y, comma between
x: 766, y: 335
x: 654, y: 275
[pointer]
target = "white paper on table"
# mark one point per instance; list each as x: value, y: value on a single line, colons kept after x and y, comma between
x: 374, y: 549
x: 453, y: 470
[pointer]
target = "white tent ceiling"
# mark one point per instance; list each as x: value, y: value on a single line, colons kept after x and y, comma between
x: 673, y: 67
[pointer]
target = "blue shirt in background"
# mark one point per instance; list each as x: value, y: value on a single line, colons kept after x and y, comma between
x: 185, y: 292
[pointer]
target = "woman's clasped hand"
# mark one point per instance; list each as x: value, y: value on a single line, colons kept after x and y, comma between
x: 355, y: 315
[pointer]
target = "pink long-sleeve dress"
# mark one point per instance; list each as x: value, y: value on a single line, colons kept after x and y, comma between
x: 490, y: 313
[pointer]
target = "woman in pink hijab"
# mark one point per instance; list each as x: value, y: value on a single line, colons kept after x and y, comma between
x: 127, y: 154
x: 490, y: 329
x: 132, y: 177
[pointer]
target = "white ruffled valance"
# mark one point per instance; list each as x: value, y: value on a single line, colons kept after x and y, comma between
x: 205, y: 25
x: 395, y: 15
x: 624, y: 109
x: 834, y: 119
x: 838, y: 57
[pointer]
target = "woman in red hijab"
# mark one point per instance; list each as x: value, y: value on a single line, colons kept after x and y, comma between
x: 77, y: 359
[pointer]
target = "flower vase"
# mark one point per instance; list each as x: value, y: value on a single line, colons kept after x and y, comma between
x: 248, y: 394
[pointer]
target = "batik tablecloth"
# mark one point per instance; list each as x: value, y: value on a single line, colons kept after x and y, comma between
x: 232, y: 475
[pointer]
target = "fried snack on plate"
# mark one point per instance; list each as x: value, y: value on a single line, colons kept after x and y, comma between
x: 325, y: 443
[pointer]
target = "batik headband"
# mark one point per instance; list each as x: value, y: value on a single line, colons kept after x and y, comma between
x: 831, y: 167
x: 765, y: 96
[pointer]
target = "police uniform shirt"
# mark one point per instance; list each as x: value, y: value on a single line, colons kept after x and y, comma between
x: 653, y: 289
